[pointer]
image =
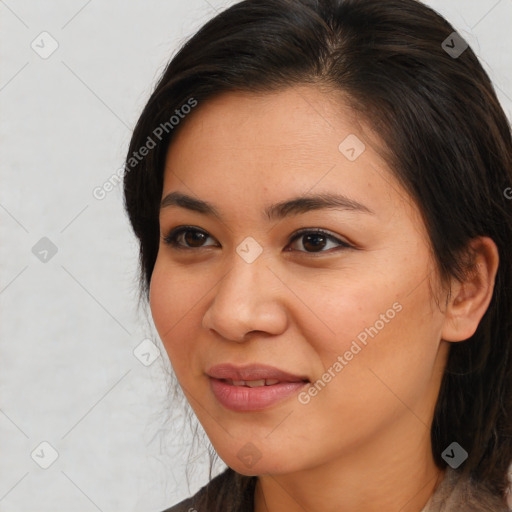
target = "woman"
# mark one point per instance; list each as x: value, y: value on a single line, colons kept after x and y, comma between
x: 319, y: 192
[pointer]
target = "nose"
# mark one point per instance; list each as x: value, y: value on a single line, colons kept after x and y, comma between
x: 249, y: 298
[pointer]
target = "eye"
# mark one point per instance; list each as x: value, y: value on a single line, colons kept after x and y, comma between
x: 317, y: 239
x: 174, y: 238
x: 194, y: 238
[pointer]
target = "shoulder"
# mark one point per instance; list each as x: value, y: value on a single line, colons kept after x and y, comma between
x: 456, y: 491
x: 222, y: 493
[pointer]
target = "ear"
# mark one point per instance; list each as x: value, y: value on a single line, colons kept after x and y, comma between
x: 471, y: 298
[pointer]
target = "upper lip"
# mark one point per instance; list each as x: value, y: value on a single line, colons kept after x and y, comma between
x: 252, y: 372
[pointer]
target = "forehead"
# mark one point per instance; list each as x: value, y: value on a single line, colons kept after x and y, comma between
x: 267, y: 147
x: 295, y: 120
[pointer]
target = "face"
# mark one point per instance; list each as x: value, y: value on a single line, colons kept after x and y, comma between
x: 349, y: 309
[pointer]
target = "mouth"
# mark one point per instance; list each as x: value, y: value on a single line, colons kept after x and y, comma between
x: 252, y: 383
x: 252, y: 388
x: 253, y: 375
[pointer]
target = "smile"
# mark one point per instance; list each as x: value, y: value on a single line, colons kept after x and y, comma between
x: 251, y: 396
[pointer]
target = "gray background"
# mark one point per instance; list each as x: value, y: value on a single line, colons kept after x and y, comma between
x: 69, y: 324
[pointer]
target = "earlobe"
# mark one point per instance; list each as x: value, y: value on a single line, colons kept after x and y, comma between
x: 471, y: 298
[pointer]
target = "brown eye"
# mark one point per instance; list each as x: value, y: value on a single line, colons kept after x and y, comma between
x: 186, y: 237
x: 317, y: 240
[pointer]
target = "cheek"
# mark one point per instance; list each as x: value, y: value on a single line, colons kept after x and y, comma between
x: 387, y: 339
x: 379, y: 314
x: 351, y: 307
x: 172, y: 300
x: 384, y: 302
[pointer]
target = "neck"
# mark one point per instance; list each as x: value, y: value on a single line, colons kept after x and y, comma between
x: 398, y: 474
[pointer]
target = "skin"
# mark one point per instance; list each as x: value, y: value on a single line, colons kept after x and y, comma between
x: 363, y: 442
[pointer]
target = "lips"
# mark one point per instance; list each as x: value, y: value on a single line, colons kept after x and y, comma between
x: 253, y: 388
x: 252, y: 375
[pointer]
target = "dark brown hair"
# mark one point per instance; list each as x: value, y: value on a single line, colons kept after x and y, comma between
x: 448, y: 143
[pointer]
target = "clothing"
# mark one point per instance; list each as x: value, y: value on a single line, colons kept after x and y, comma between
x: 453, y: 494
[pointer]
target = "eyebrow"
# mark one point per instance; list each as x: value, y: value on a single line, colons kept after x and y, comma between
x: 294, y: 206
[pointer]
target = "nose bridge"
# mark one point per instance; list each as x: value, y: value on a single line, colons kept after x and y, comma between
x: 245, y: 300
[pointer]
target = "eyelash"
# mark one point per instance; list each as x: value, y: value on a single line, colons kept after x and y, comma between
x: 171, y: 238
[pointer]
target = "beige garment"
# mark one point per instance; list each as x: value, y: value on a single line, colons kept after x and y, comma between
x: 232, y: 492
x: 455, y: 494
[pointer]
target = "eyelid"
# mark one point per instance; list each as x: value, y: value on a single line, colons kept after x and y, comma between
x: 320, y: 231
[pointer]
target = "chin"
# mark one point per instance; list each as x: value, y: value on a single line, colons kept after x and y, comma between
x: 248, y: 462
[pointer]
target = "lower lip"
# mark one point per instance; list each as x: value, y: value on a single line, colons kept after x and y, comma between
x: 243, y: 398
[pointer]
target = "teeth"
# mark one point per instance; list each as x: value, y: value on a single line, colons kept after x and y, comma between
x: 254, y: 383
